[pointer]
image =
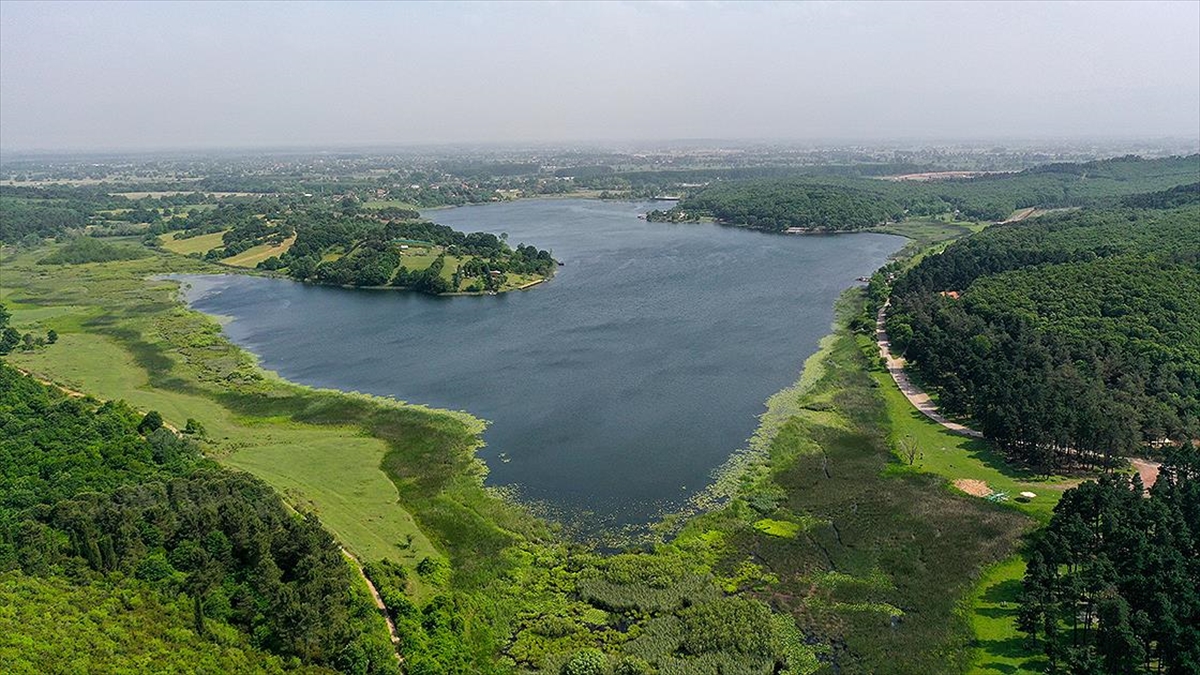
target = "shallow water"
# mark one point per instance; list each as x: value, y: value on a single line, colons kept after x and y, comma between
x: 615, y: 389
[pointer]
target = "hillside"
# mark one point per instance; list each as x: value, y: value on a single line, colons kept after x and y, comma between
x: 1071, y: 339
x: 830, y: 203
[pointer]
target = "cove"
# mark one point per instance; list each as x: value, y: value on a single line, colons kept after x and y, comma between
x: 615, y: 389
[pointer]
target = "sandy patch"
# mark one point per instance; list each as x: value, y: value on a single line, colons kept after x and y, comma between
x: 970, y: 486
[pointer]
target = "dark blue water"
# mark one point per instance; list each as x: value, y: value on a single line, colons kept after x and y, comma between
x: 614, y: 390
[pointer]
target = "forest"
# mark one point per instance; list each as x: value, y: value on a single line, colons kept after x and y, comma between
x: 831, y: 203
x: 1112, y: 584
x: 1069, y: 340
x: 95, y: 498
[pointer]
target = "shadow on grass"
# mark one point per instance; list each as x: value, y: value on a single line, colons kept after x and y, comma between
x: 982, y: 451
x: 1008, y: 648
x: 1005, y: 591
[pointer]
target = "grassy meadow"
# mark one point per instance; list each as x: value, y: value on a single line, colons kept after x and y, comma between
x: 123, y: 337
x: 201, y: 244
x: 256, y: 254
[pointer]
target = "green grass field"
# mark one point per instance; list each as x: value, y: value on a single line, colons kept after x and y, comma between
x: 954, y: 457
x: 389, y: 203
x: 927, y: 235
x: 993, y: 608
x: 333, y: 472
x: 252, y: 256
x: 121, y: 337
x: 202, y: 244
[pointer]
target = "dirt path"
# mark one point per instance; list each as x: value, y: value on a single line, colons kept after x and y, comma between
x: 1019, y: 216
x: 74, y: 393
x: 1146, y: 468
x: 915, y: 396
x: 378, y: 604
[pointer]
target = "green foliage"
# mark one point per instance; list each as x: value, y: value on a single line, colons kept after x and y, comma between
x: 586, y: 662
x: 50, y: 625
x: 90, y: 250
x: 1111, y: 584
x: 151, y: 422
x: 825, y: 202
x: 777, y: 205
x: 38, y: 213
x: 1076, y: 338
x: 87, y: 489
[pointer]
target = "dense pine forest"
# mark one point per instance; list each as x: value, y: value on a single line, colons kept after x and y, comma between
x: 1071, y: 339
x: 1113, y: 582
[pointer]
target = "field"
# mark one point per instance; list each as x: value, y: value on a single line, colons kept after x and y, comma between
x: 956, y: 457
x: 927, y: 235
x: 389, y: 204
x: 418, y: 258
x: 993, y: 607
x: 201, y: 244
x: 252, y: 256
x: 880, y: 557
x: 331, y: 469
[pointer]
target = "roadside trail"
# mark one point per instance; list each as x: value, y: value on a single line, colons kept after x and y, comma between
x: 378, y: 605
x: 915, y: 396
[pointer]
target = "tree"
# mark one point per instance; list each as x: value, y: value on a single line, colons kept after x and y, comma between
x: 9, y: 338
x: 909, y: 450
x: 51, y: 336
x: 153, y: 421
x: 585, y: 662
x: 193, y: 428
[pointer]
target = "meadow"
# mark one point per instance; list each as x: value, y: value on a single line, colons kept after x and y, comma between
x: 332, y: 470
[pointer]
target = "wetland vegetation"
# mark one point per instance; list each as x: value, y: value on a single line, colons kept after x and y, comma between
x: 826, y: 546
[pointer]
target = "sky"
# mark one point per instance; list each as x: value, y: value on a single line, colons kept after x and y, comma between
x: 161, y: 75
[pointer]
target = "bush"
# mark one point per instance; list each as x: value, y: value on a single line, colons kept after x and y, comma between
x: 585, y: 662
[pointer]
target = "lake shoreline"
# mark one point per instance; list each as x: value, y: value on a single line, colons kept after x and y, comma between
x: 506, y: 443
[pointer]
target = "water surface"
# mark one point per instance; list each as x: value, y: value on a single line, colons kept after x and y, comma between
x: 615, y: 389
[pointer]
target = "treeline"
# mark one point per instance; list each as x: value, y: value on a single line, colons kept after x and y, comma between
x: 830, y: 202
x: 1068, y: 340
x: 778, y: 205
x: 42, y: 212
x: 94, y: 493
x: 1112, y: 584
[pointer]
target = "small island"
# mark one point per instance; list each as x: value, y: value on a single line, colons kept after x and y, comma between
x: 391, y: 247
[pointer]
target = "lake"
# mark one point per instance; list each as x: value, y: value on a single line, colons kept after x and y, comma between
x: 614, y: 390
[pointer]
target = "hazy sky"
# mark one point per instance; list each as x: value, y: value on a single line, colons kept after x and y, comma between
x: 161, y: 75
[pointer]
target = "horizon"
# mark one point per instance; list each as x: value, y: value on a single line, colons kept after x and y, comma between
x: 1182, y: 145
